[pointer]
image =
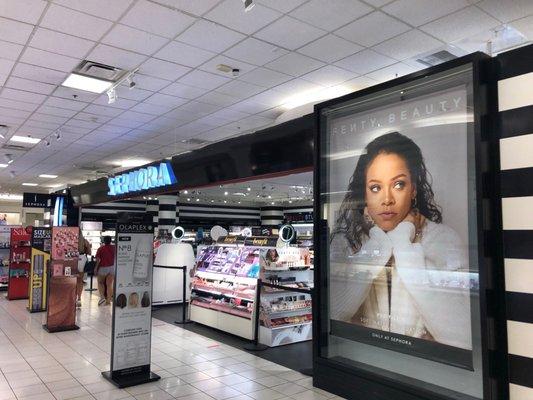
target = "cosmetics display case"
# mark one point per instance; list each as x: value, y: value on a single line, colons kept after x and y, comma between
x: 19, y: 263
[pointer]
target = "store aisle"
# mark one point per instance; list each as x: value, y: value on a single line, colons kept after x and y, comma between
x: 36, y: 365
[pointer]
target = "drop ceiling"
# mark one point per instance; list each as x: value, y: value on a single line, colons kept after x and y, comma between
x: 282, y: 48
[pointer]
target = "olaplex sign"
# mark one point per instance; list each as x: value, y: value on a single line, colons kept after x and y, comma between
x: 142, y: 179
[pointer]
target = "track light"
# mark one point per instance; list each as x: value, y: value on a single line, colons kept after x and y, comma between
x: 248, y: 5
x: 131, y: 82
x: 8, y: 158
x: 47, y: 143
x: 58, y: 136
x: 111, y: 96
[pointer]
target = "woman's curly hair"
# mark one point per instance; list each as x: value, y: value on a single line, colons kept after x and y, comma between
x: 351, y: 223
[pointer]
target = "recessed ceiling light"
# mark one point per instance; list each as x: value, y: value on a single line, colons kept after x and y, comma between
x: 24, y: 139
x: 7, y: 196
x: 29, y: 184
x: 87, y: 83
x: 55, y: 186
x: 3, y: 165
x: 48, y: 176
x: 225, y: 193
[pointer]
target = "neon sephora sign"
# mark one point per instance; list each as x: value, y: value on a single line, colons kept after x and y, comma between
x: 142, y: 179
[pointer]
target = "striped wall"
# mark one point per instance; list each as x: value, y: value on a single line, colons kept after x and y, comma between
x: 219, y: 212
x: 271, y: 216
x: 168, y: 215
x: 515, y: 102
x: 112, y: 208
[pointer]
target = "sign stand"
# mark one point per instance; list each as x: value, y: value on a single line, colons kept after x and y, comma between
x: 41, y: 239
x: 132, y: 312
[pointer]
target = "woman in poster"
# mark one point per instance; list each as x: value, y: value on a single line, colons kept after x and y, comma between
x: 392, y: 258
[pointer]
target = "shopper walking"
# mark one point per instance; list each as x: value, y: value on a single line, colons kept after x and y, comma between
x: 105, y: 270
x: 84, y: 248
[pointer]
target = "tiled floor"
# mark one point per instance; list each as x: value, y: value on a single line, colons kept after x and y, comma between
x: 36, y: 365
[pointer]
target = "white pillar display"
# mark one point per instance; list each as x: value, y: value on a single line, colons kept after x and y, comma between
x: 167, y: 215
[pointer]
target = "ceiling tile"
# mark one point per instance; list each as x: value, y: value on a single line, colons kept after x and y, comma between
x: 198, y: 108
x: 524, y: 26
x: 250, y: 107
x: 124, y: 37
x: 137, y: 95
x: 11, y: 51
x: 297, y: 86
x: 391, y: 72
x: 165, y: 100
x: 29, y: 86
x: 69, y: 93
x: 60, y: 43
x: 121, y: 102
x: 289, y: 33
x: 75, y: 23
x: 14, y: 31
x: 211, y: 66
x: 21, y: 95
x: 329, y: 75
x: 163, y: 69
x: 184, y: 91
x: 460, y: 24
x: 333, y: 15
x: 184, y: 54
x: 102, y: 110
x: 210, y: 36
x: 191, y: 6
x: 18, y: 105
x: 203, y: 79
x: 283, y: 6
x: 65, y: 103
x: 39, y: 74
x: 150, y: 83
x: 408, y: 45
x: 255, y: 51
x: 111, y: 10
x: 330, y: 48
x: 49, y: 60
x: 507, y: 10
x: 23, y: 10
x: 58, y: 112
x: 265, y: 77
x: 294, y: 64
x: 365, y: 32
x: 152, y: 109
x: 416, y: 12
x: 157, y: 19
x: 136, y: 116
x: 116, y: 57
x: 218, y: 99
x: 239, y: 89
x: 365, y: 61
x: 48, y: 118
x: 231, y: 13
x: 91, y: 118
x: 379, y: 3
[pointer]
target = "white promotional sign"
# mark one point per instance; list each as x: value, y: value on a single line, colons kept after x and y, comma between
x: 133, y: 292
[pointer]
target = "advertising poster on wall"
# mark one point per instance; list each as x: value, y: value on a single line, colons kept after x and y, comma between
x: 19, y: 263
x: 61, y: 311
x: 41, y: 243
x: 399, y: 229
x: 132, y: 312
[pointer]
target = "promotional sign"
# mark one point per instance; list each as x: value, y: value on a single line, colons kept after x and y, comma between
x: 40, y: 257
x: 132, y: 311
x: 19, y: 263
x: 36, y: 200
x: 61, y: 311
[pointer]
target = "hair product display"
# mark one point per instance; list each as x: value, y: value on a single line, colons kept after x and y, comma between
x: 121, y: 301
x: 133, y: 301
x: 145, y: 302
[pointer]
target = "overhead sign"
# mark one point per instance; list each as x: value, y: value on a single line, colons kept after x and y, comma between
x: 142, y: 179
x: 39, y: 200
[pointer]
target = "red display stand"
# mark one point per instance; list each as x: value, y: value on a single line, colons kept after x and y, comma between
x: 19, y: 263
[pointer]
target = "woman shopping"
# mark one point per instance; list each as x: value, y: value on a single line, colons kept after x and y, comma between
x: 105, y: 270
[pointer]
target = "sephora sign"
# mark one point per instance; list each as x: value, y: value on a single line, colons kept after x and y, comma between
x: 142, y: 179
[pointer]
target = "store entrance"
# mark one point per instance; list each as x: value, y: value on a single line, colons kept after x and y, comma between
x: 222, y: 302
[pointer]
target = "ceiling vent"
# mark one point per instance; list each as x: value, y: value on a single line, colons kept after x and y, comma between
x: 436, y: 58
x: 99, y: 71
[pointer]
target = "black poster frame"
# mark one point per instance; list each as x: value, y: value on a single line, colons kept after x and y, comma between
x: 356, y: 380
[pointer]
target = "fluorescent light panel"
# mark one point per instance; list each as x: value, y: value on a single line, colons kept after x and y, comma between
x: 86, y: 83
x: 3, y: 165
x: 29, y: 184
x: 24, y: 139
x: 48, y: 176
x: 7, y: 196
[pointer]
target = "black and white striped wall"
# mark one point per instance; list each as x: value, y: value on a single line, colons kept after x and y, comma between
x: 195, y: 212
x: 515, y: 101
x: 101, y: 211
x: 271, y: 216
x: 168, y: 215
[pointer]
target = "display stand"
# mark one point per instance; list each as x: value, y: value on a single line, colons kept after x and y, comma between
x: 5, y: 252
x: 61, y: 311
x: 132, y: 311
x: 40, y: 259
x: 19, y: 263
x: 184, y: 319
x: 255, y: 345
